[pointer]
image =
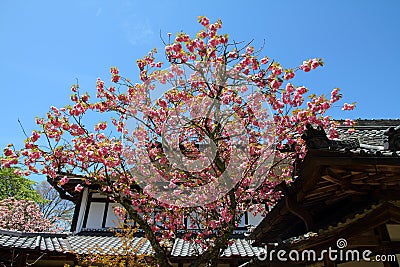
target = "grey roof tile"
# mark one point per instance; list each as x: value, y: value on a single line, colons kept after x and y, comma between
x: 239, y: 248
x: 365, y: 136
x: 33, y: 241
x: 370, y: 134
x: 83, y: 244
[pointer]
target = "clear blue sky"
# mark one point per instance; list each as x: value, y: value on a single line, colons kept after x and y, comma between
x: 46, y: 45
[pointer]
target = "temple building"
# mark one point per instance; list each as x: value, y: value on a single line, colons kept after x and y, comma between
x: 345, y: 196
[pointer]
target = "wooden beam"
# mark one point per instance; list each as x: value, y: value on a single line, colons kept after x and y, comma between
x: 345, y: 183
x: 296, y: 209
x: 331, y: 179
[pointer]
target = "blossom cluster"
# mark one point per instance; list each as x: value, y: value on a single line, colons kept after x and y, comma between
x: 23, y: 215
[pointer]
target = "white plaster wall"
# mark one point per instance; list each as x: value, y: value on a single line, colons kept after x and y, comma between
x: 96, y: 213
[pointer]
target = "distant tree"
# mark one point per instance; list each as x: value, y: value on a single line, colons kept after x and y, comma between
x: 59, y: 211
x: 23, y: 215
x: 14, y: 184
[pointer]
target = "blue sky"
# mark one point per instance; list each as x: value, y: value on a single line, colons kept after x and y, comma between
x: 46, y: 45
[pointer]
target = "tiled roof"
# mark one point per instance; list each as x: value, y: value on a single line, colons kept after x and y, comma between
x: 108, y: 244
x: 184, y: 249
x: 239, y: 248
x: 242, y: 248
x: 90, y: 243
x: 365, y: 135
x: 369, y: 137
x: 368, y: 132
x: 34, y: 241
x: 372, y: 140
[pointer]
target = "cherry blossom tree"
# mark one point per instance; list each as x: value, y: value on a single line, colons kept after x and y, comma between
x: 23, y: 215
x: 204, y: 137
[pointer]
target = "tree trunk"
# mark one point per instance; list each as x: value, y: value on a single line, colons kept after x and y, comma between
x: 210, y: 257
x: 160, y: 253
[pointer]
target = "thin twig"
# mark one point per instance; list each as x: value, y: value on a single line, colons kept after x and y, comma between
x: 22, y: 127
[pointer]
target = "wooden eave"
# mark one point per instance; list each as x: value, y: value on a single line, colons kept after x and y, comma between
x: 370, y: 219
x: 327, y: 179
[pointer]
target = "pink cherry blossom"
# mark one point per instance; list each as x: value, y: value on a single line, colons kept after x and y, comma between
x: 289, y: 75
x: 64, y: 180
x: 204, y: 21
x: 349, y: 122
x: 264, y: 60
x: 78, y: 188
x: 347, y: 106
